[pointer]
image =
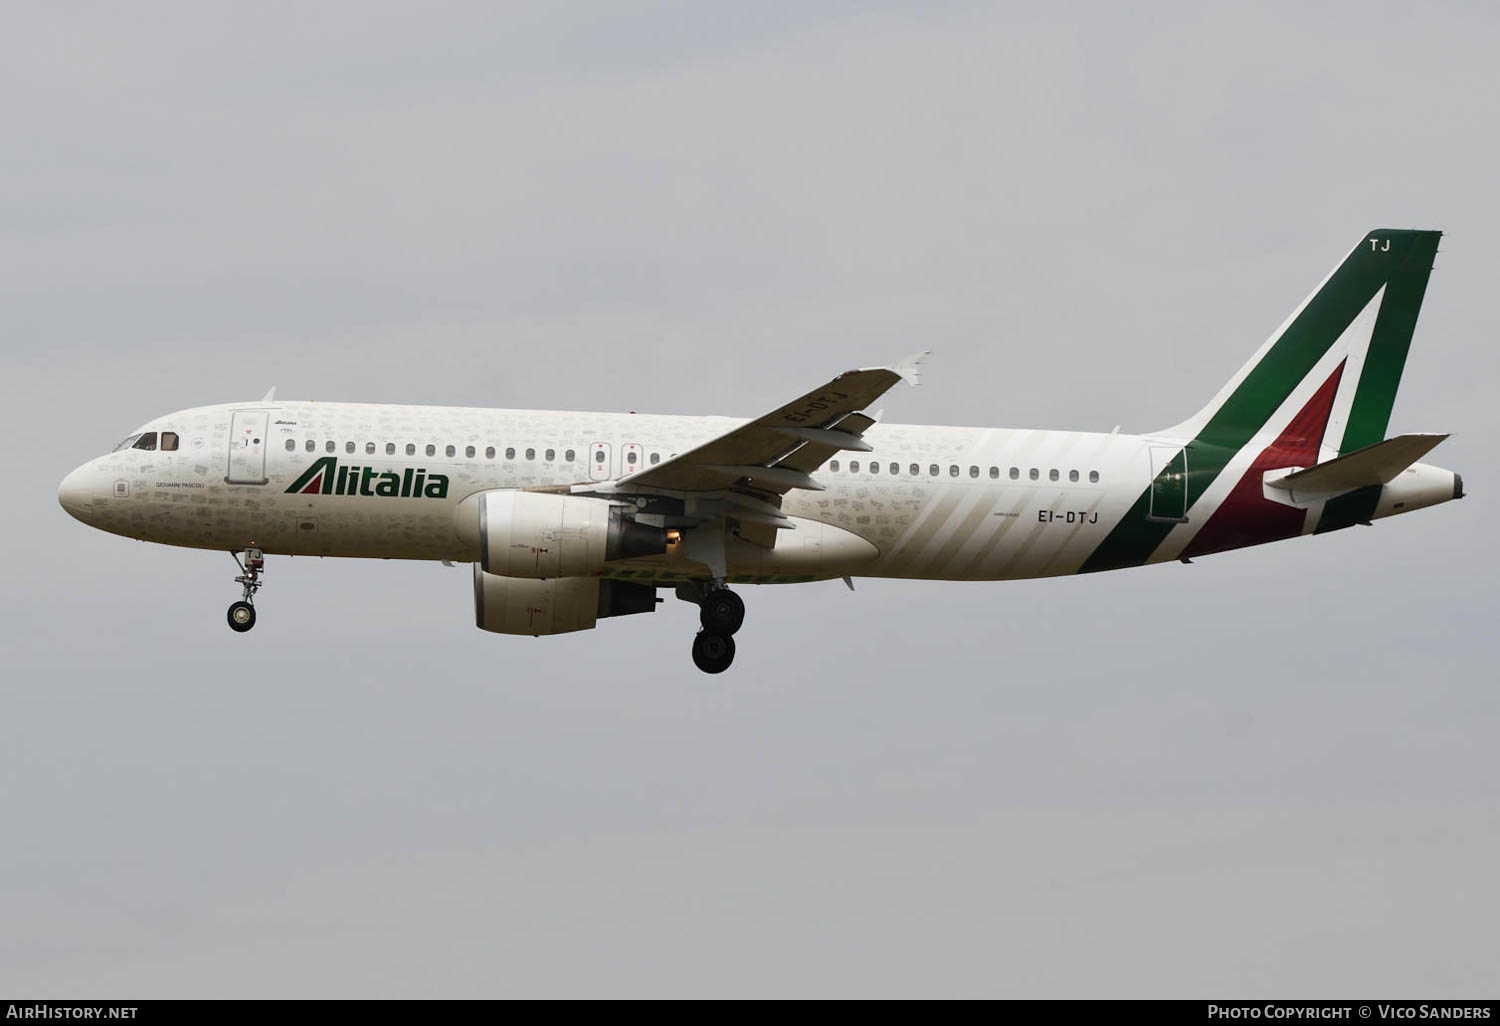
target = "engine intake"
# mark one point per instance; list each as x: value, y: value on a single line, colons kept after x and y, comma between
x: 518, y: 605
x: 542, y: 535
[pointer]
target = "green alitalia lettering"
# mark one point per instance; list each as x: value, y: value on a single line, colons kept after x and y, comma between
x: 326, y: 476
x: 316, y: 479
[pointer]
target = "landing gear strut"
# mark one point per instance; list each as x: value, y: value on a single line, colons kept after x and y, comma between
x: 242, y: 613
x: 721, y: 612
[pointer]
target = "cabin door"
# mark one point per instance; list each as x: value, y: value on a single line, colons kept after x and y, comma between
x: 247, y: 447
x: 1168, y: 484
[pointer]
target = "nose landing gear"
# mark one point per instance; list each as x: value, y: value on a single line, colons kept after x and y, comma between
x: 242, y: 613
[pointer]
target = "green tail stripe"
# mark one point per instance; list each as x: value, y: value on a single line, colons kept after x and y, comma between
x: 1399, y: 260
x: 1386, y: 359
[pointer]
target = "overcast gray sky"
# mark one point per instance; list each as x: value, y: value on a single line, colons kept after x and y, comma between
x: 1272, y: 772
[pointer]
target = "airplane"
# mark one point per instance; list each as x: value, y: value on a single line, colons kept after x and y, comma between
x: 569, y: 518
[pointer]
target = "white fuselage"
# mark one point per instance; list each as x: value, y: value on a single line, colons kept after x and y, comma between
x: 968, y: 519
x: 944, y: 503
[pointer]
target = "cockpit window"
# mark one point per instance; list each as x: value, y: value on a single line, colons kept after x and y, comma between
x: 146, y: 441
x: 125, y: 444
x: 169, y: 441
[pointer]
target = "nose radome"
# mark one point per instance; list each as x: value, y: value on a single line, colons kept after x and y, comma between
x: 75, y: 495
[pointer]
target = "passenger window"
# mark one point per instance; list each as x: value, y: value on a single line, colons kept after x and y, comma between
x: 994, y: 473
x: 895, y: 468
x: 953, y: 470
x: 656, y: 458
x: 1035, y: 473
x: 570, y: 456
x: 311, y: 445
x: 328, y: 446
x: 933, y: 470
x: 169, y: 441
x: 489, y: 452
x: 598, y: 455
x: 1094, y: 476
x: 551, y: 455
x: 450, y: 451
x: 148, y: 441
x: 369, y: 448
x: 390, y: 448
x: 291, y: 445
x: 411, y: 450
x: 973, y: 471
x: 531, y: 454
x: 874, y: 467
x: 1073, y: 475
x: 468, y: 452
x: 916, y: 468
x: 1015, y: 473
x: 833, y: 465
x: 510, y: 453
x: 348, y: 446
x: 431, y: 450
x: 1052, y: 474
x: 854, y: 466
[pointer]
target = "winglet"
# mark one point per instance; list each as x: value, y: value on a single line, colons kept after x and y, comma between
x: 910, y: 368
x: 269, y: 396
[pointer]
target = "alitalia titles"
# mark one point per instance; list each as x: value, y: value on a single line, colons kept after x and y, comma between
x: 329, y: 477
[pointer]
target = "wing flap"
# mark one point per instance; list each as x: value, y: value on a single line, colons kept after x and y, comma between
x: 779, y: 451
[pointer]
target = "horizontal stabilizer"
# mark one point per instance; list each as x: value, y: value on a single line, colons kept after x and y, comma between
x: 1373, y: 465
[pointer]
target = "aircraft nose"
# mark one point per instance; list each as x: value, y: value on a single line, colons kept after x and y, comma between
x: 76, y: 496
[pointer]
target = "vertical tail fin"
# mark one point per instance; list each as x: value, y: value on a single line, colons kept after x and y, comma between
x: 1360, y: 317
x: 1323, y: 384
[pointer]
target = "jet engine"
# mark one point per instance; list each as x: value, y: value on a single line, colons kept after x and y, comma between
x: 542, y: 535
x: 558, y: 605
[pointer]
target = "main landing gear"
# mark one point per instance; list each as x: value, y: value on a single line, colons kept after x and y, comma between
x: 721, y: 612
x: 242, y: 613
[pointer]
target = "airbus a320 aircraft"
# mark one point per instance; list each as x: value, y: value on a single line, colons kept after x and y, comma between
x: 569, y: 518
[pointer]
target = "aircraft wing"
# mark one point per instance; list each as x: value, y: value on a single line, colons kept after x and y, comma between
x: 778, y: 452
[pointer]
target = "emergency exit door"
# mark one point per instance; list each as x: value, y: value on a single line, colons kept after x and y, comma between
x: 247, y: 447
x: 599, y: 468
x: 632, y: 458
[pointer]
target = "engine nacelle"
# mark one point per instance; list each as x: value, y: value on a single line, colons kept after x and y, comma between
x: 558, y: 605
x: 545, y: 535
